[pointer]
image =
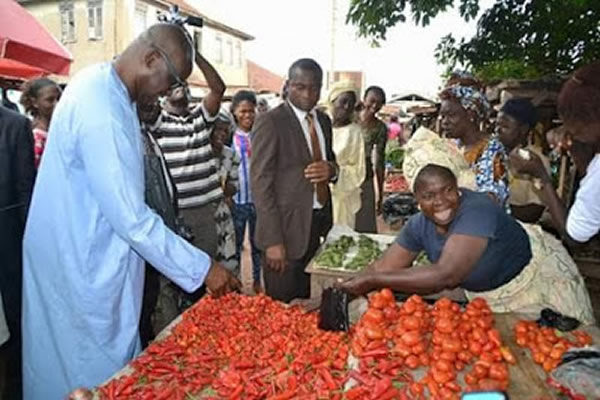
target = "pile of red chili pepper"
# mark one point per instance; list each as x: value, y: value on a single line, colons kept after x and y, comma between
x: 239, y: 347
x: 436, y: 342
x: 545, y: 345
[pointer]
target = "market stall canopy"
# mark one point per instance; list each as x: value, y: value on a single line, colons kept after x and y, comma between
x: 27, y: 49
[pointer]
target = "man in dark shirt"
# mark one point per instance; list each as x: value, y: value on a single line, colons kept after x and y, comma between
x: 17, y: 173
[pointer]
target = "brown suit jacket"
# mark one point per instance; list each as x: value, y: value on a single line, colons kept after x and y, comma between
x: 283, y: 197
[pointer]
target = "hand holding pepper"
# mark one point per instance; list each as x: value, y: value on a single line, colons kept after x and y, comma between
x: 220, y: 281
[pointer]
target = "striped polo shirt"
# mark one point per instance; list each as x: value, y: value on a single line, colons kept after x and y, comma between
x: 185, y: 142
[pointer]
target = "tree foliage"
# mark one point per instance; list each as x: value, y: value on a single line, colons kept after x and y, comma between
x: 514, y: 38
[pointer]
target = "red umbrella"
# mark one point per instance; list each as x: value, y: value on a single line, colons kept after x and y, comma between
x: 27, y: 49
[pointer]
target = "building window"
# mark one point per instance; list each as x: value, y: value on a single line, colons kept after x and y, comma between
x: 198, y: 41
x: 67, y: 20
x: 229, y: 52
x: 140, y: 18
x: 238, y: 54
x: 95, y: 19
x: 219, y: 49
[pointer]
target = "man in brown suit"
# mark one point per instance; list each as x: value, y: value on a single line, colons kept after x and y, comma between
x: 292, y: 165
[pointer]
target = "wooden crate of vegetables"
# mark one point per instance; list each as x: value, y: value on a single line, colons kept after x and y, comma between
x: 343, y: 255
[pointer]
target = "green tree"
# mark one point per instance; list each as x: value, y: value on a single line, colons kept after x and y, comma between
x: 514, y: 38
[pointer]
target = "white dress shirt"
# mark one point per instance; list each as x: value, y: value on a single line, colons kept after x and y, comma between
x: 301, y: 115
x: 583, y: 221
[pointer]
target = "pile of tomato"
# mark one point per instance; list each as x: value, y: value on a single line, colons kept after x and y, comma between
x: 417, y: 351
x: 546, y: 346
x: 239, y: 347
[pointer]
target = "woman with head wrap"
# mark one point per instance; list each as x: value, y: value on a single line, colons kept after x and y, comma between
x: 349, y: 150
x: 374, y: 133
x: 473, y: 244
x: 516, y: 119
x: 464, y: 108
x: 579, y: 108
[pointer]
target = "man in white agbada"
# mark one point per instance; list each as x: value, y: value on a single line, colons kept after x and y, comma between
x: 89, y: 229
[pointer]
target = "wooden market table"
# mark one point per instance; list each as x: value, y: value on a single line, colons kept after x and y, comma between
x: 527, y: 379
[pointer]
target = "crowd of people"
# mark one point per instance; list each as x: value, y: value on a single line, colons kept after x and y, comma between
x: 122, y: 202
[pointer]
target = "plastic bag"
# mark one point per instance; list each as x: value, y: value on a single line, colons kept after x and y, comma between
x: 578, y: 375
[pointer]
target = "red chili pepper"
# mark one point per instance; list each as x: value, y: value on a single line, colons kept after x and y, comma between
x: 288, y: 394
x: 359, y: 378
x: 329, y: 381
x: 237, y: 392
x: 356, y: 393
x: 381, y: 352
x: 381, y: 387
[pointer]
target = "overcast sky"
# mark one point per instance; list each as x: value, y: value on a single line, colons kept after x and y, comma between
x: 286, y: 30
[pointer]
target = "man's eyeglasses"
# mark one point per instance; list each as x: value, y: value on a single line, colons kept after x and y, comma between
x: 176, y: 81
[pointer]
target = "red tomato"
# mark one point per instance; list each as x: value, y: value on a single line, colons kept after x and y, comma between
x: 374, y: 334
x: 412, y: 361
x: 521, y: 327
x: 402, y: 350
x: 411, y: 338
x: 411, y: 323
x: 475, y: 348
x: 479, y: 303
x: 377, y: 301
x: 373, y: 315
x: 499, y: 372
x: 387, y: 295
x: 440, y: 377
x: 408, y: 307
x: 494, y: 336
x: 390, y: 313
x: 443, y: 365
x: 479, y: 335
x: 444, y: 325
x: 448, y: 356
x: 419, y: 348
x: 455, y: 387
x: 479, y: 371
x: 464, y: 356
x: 452, y: 345
x: 443, y: 304
x: 471, y: 379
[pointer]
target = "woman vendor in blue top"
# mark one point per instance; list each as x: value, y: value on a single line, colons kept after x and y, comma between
x: 473, y: 244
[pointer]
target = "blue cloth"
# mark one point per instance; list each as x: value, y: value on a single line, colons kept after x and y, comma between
x: 245, y: 214
x: 508, y: 250
x: 87, y: 232
x: 242, y: 146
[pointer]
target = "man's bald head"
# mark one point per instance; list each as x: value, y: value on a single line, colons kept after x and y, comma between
x: 159, y: 59
x: 175, y: 42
